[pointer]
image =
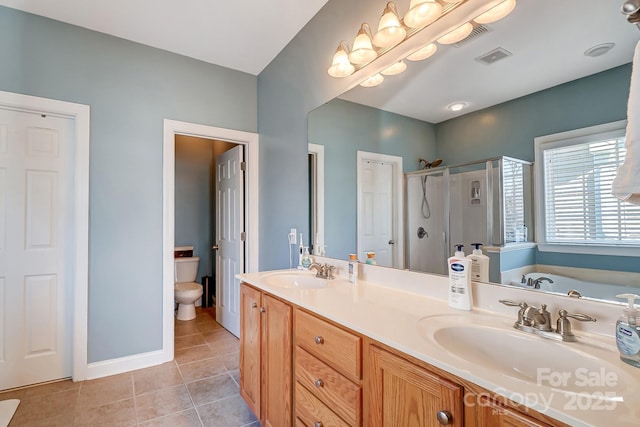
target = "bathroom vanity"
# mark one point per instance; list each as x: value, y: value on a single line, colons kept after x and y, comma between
x: 389, y: 351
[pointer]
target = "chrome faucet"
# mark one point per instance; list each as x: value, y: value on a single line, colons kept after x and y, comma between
x: 535, y: 283
x: 538, y: 321
x: 323, y: 271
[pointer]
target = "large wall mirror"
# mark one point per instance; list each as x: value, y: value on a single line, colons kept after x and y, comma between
x: 549, y: 67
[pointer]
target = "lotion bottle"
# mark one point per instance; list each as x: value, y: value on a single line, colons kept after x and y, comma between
x: 353, y: 268
x: 459, y: 268
x: 479, y: 264
x: 628, y: 332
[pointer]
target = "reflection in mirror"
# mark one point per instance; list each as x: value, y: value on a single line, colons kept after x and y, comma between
x: 547, y: 86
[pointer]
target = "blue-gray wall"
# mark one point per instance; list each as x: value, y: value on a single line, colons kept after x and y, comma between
x: 131, y: 88
x: 343, y: 128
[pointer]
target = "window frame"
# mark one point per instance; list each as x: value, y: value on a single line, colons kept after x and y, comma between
x: 564, y: 139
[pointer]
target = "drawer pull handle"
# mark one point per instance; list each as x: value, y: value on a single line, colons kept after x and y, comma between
x: 444, y: 417
x: 319, y: 383
x: 254, y: 305
x: 262, y: 309
x: 319, y: 340
x: 318, y: 424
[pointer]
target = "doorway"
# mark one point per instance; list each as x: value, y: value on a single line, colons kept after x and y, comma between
x: 249, y: 143
x: 379, y: 208
x: 44, y: 165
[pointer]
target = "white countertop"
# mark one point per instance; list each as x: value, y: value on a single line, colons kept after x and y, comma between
x: 392, y: 315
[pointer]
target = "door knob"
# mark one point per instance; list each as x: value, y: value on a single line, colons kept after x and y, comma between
x: 392, y: 242
x: 215, y: 247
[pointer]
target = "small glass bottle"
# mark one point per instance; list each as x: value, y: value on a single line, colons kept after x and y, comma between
x: 371, y: 258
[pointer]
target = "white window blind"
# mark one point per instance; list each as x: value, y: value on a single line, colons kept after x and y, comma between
x: 578, y: 206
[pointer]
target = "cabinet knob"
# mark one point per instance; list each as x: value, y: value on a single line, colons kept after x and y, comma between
x: 318, y: 424
x: 319, y: 383
x: 319, y: 340
x: 444, y: 417
x: 254, y: 305
x: 262, y: 309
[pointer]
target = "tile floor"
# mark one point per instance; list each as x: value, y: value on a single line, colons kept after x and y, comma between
x: 199, y: 388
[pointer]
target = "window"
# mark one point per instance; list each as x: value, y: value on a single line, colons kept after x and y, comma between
x: 575, y: 207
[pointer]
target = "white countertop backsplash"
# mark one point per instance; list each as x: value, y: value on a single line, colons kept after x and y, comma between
x: 387, y: 305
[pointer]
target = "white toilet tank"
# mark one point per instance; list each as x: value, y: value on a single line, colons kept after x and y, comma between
x: 186, y: 269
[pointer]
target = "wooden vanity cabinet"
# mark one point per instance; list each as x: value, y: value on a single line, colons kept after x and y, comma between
x: 489, y: 413
x: 328, y: 370
x: 266, y: 356
x: 402, y: 393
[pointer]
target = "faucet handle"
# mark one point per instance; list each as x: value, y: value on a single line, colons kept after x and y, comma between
x: 511, y: 303
x: 563, y: 325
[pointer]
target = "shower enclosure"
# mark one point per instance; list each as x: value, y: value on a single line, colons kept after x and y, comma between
x: 486, y: 202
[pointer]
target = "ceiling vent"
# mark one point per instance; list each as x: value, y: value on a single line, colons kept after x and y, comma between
x: 478, y: 30
x: 493, y: 56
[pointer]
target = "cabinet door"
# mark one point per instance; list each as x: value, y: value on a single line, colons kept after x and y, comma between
x: 493, y: 414
x: 401, y: 393
x: 276, y: 362
x: 250, y: 379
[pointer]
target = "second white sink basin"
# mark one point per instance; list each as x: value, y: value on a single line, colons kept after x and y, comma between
x: 296, y: 280
x: 566, y: 367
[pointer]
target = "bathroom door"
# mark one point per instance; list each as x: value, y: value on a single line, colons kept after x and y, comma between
x: 230, y: 235
x: 36, y: 277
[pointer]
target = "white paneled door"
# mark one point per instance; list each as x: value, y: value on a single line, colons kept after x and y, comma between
x: 229, y: 230
x: 36, y: 199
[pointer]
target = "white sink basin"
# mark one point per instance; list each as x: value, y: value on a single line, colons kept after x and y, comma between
x: 494, y: 345
x: 296, y: 280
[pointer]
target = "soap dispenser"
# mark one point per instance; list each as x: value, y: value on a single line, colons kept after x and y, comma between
x: 479, y: 264
x: 628, y: 332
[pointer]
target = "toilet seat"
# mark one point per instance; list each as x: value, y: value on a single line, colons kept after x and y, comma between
x: 188, y: 286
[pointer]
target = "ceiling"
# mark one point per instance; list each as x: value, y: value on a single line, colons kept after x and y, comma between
x: 211, y: 31
x: 547, y: 39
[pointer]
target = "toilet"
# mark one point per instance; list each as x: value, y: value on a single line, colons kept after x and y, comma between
x: 187, y: 291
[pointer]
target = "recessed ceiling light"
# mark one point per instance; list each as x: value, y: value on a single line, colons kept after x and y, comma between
x: 457, y: 106
x: 599, y: 50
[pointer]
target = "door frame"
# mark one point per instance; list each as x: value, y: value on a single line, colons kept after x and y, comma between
x: 397, y: 215
x: 80, y: 114
x: 250, y: 140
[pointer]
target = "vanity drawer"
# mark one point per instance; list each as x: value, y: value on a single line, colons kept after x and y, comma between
x: 311, y: 412
x: 332, y: 388
x: 337, y: 347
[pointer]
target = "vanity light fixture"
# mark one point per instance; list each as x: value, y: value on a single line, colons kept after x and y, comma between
x: 497, y: 12
x: 422, y: 12
x: 390, y: 31
x: 423, y: 53
x: 341, y: 67
x: 457, y: 106
x: 454, y: 36
x: 372, y: 81
x: 394, y: 69
x: 363, y: 52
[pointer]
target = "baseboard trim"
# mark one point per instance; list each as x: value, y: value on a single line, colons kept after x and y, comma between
x: 125, y: 364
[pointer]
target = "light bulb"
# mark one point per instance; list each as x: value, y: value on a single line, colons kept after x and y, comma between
x: 394, y: 69
x: 422, y: 13
x: 457, y: 106
x: 456, y: 35
x: 497, y: 12
x: 341, y: 67
x: 372, y: 81
x: 423, y: 53
x: 390, y: 32
x: 362, y: 52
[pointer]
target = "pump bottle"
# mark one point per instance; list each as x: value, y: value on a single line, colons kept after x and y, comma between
x: 479, y: 264
x: 628, y: 332
x: 459, y: 280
